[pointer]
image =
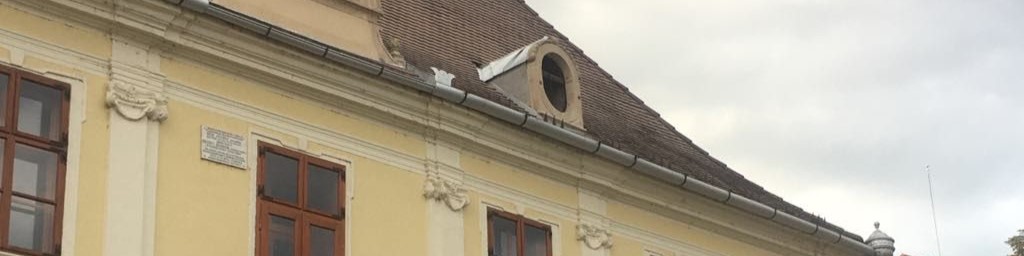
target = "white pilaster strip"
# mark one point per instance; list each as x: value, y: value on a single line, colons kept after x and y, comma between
x: 125, y: 186
x: 443, y: 188
x: 591, y: 230
x: 137, y: 105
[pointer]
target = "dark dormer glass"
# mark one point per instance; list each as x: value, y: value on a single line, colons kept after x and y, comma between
x: 554, y: 82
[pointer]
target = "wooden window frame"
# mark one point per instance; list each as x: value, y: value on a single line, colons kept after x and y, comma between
x: 303, y: 216
x: 521, y: 223
x: 12, y: 137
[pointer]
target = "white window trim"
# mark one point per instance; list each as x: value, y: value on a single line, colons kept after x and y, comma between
x: 76, y: 116
x: 255, y: 138
x: 485, y: 205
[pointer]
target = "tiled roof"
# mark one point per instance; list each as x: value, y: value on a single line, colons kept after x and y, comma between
x: 458, y: 35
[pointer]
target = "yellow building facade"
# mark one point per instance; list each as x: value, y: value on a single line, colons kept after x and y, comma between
x: 172, y: 106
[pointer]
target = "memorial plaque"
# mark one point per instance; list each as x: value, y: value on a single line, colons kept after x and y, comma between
x: 223, y: 147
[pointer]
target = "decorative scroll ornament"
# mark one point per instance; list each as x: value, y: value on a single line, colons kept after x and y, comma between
x: 449, y: 192
x: 134, y: 104
x: 595, y: 237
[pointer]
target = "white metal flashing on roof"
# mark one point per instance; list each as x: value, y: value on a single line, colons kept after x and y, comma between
x: 442, y: 78
x: 508, y: 62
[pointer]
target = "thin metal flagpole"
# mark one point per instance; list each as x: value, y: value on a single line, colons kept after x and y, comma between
x: 931, y: 196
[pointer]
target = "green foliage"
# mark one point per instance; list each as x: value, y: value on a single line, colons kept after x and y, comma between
x: 1017, y: 243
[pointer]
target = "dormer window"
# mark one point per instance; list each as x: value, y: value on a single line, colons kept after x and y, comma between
x: 554, y: 82
x: 542, y: 78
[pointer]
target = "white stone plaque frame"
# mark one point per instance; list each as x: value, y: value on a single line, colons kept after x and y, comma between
x: 223, y: 147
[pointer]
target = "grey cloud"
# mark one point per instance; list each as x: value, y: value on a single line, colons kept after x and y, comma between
x: 844, y: 98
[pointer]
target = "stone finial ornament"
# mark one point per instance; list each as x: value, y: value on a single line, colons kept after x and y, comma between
x: 392, y: 45
x: 134, y: 104
x: 882, y: 243
x: 394, y: 55
x: 593, y: 236
x: 449, y: 192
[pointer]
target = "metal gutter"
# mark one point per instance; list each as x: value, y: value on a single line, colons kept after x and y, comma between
x: 523, y: 120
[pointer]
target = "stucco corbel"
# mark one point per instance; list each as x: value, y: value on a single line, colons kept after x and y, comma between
x: 594, y: 237
x: 134, y: 104
x: 447, y: 191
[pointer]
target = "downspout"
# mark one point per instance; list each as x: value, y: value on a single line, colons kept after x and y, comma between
x: 524, y: 120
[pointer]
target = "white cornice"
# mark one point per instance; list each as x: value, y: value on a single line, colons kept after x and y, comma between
x: 45, y: 50
x: 289, y: 125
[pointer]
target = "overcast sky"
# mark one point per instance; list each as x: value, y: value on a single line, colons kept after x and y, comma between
x: 838, y: 105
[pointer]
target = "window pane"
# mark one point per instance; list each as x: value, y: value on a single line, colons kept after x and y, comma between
x: 39, y: 110
x: 322, y: 190
x: 504, y: 231
x: 31, y: 225
x: 282, y: 236
x: 321, y: 241
x: 282, y: 178
x: 536, y: 241
x: 4, y: 79
x: 554, y: 82
x: 35, y: 171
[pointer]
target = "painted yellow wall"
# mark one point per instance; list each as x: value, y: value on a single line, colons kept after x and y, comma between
x: 92, y: 177
x: 476, y: 232
x: 627, y: 246
x: 529, y: 182
x: 680, y: 231
x: 631, y: 246
x: 388, y: 211
x: 252, y: 93
x: 202, y: 207
x: 68, y: 35
x: 335, y: 22
x: 383, y: 199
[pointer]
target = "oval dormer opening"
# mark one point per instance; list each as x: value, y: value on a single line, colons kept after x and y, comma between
x: 542, y: 79
x: 554, y: 81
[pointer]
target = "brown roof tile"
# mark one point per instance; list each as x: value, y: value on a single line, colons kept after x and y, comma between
x: 453, y: 34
